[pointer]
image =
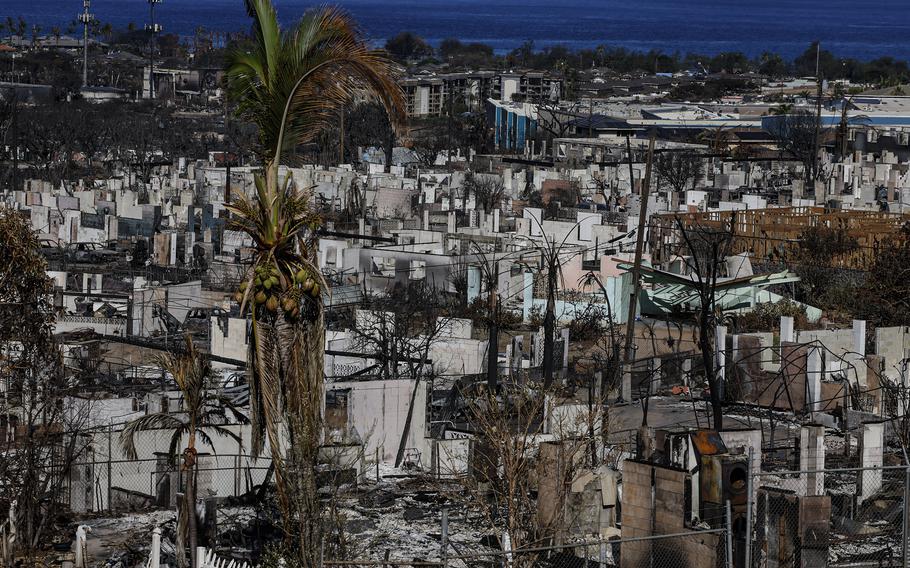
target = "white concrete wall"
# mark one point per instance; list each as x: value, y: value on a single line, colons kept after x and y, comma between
x: 181, y: 298
x: 231, y: 340
x: 222, y: 473
x: 378, y: 411
x: 106, y: 326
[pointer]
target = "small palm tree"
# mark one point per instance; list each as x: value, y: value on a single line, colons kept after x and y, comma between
x: 291, y: 85
x: 204, y: 415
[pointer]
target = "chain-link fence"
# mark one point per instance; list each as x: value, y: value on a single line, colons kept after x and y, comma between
x: 132, y: 485
x: 703, y: 548
x: 852, y: 517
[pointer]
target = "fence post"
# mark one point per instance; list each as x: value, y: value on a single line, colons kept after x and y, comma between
x: 200, y: 556
x: 155, y: 554
x: 749, y: 505
x: 602, y: 553
x: 905, y: 560
x: 729, y: 537
x: 110, y: 456
x: 444, y: 538
x: 79, y: 556
x: 237, y: 475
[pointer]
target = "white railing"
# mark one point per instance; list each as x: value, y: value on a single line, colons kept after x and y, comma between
x: 207, y: 559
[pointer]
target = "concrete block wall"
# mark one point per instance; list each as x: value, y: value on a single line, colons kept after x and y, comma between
x: 812, y: 458
x: 636, y: 513
x: 892, y: 345
x: 669, y: 516
x: 872, y: 442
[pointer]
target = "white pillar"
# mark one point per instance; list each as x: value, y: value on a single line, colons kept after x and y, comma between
x: 517, y: 351
x: 155, y: 554
x: 859, y: 336
x: 814, y: 372
x: 786, y: 329
x: 79, y: 546
x: 904, y: 401
x: 871, y: 456
x: 720, y: 356
x: 200, y: 556
x: 527, y: 296
x: 857, y: 358
x: 654, y: 380
x: 627, y: 382
x: 812, y: 458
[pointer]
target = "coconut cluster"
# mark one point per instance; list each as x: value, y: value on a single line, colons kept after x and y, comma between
x: 271, y: 290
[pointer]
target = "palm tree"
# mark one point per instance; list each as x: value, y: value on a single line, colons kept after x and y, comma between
x: 717, y: 138
x: 782, y: 109
x: 204, y: 414
x: 107, y: 31
x: 291, y: 84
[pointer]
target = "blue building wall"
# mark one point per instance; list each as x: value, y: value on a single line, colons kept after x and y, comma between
x: 511, y: 127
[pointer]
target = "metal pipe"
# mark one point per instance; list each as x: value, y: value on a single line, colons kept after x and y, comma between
x: 904, y: 540
x: 729, y: 562
x: 749, y: 504
x: 835, y: 470
x: 639, y: 247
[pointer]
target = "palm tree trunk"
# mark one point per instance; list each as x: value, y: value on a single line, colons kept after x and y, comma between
x: 549, y: 327
x: 304, y: 364
x: 190, y: 505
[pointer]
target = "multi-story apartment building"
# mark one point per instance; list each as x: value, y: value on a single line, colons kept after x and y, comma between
x: 437, y: 94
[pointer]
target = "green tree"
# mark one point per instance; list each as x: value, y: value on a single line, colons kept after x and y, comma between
x: 885, y: 296
x: 772, y: 65
x: 407, y: 46
x: 815, y: 258
x: 42, y: 431
x: 204, y: 415
x: 291, y: 85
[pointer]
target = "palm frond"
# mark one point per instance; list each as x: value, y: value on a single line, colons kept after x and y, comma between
x: 291, y: 84
x: 176, y: 437
x: 221, y: 431
x: 158, y: 421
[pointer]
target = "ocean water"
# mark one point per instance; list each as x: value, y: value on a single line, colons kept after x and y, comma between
x: 850, y: 28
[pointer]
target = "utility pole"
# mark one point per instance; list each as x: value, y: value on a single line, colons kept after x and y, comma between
x: 154, y: 29
x: 631, y: 169
x: 341, y: 137
x: 493, y: 346
x: 15, y: 128
x: 227, y: 155
x: 591, y: 117
x: 818, y: 111
x: 449, y: 94
x: 86, y: 18
x: 639, y: 246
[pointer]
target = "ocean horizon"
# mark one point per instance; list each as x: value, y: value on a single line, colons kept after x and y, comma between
x: 865, y: 31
